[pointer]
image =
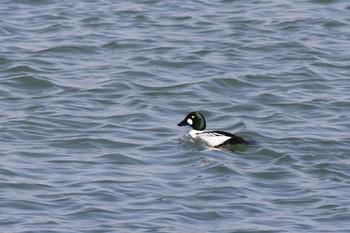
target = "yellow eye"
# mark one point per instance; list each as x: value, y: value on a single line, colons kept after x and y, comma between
x: 193, y: 116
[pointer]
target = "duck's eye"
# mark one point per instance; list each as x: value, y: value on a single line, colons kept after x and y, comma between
x: 193, y: 116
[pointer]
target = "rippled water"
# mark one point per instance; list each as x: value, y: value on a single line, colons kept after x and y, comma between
x: 91, y: 92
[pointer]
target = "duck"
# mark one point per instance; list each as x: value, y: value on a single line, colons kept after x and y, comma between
x: 215, y: 139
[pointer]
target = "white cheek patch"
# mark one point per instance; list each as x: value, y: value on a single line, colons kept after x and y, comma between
x: 189, y: 121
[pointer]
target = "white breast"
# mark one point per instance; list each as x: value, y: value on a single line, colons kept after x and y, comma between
x: 211, y: 139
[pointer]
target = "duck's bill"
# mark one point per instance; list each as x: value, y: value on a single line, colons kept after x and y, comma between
x: 182, y: 123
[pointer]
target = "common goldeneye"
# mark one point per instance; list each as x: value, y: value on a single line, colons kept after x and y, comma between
x: 215, y: 139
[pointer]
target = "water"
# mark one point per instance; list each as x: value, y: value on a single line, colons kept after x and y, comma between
x: 91, y: 92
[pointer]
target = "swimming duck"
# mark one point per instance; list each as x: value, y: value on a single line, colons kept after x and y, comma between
x: 214, y: 139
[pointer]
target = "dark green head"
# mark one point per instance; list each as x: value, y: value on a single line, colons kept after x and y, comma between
x: 195, y: 120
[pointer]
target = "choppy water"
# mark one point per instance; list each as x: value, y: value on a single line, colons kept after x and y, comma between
x: 91, y: 92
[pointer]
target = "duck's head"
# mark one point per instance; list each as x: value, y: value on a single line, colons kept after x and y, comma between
x: 195, y: 120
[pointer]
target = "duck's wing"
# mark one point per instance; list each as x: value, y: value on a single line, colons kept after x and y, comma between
x: 213, y: 138
x: 233, y: 139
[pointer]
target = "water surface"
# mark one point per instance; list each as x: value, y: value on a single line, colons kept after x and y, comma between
x: 91, y: 93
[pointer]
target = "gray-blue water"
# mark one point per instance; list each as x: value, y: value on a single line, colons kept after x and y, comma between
x: 91, y: 93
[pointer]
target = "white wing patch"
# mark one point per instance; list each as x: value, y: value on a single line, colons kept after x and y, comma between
x: 211, y: 139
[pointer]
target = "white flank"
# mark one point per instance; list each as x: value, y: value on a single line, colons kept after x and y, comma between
x: 211, y: 139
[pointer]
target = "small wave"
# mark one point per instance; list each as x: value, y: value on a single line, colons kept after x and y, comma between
x: 28, y: 82
x: 70, y: 49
